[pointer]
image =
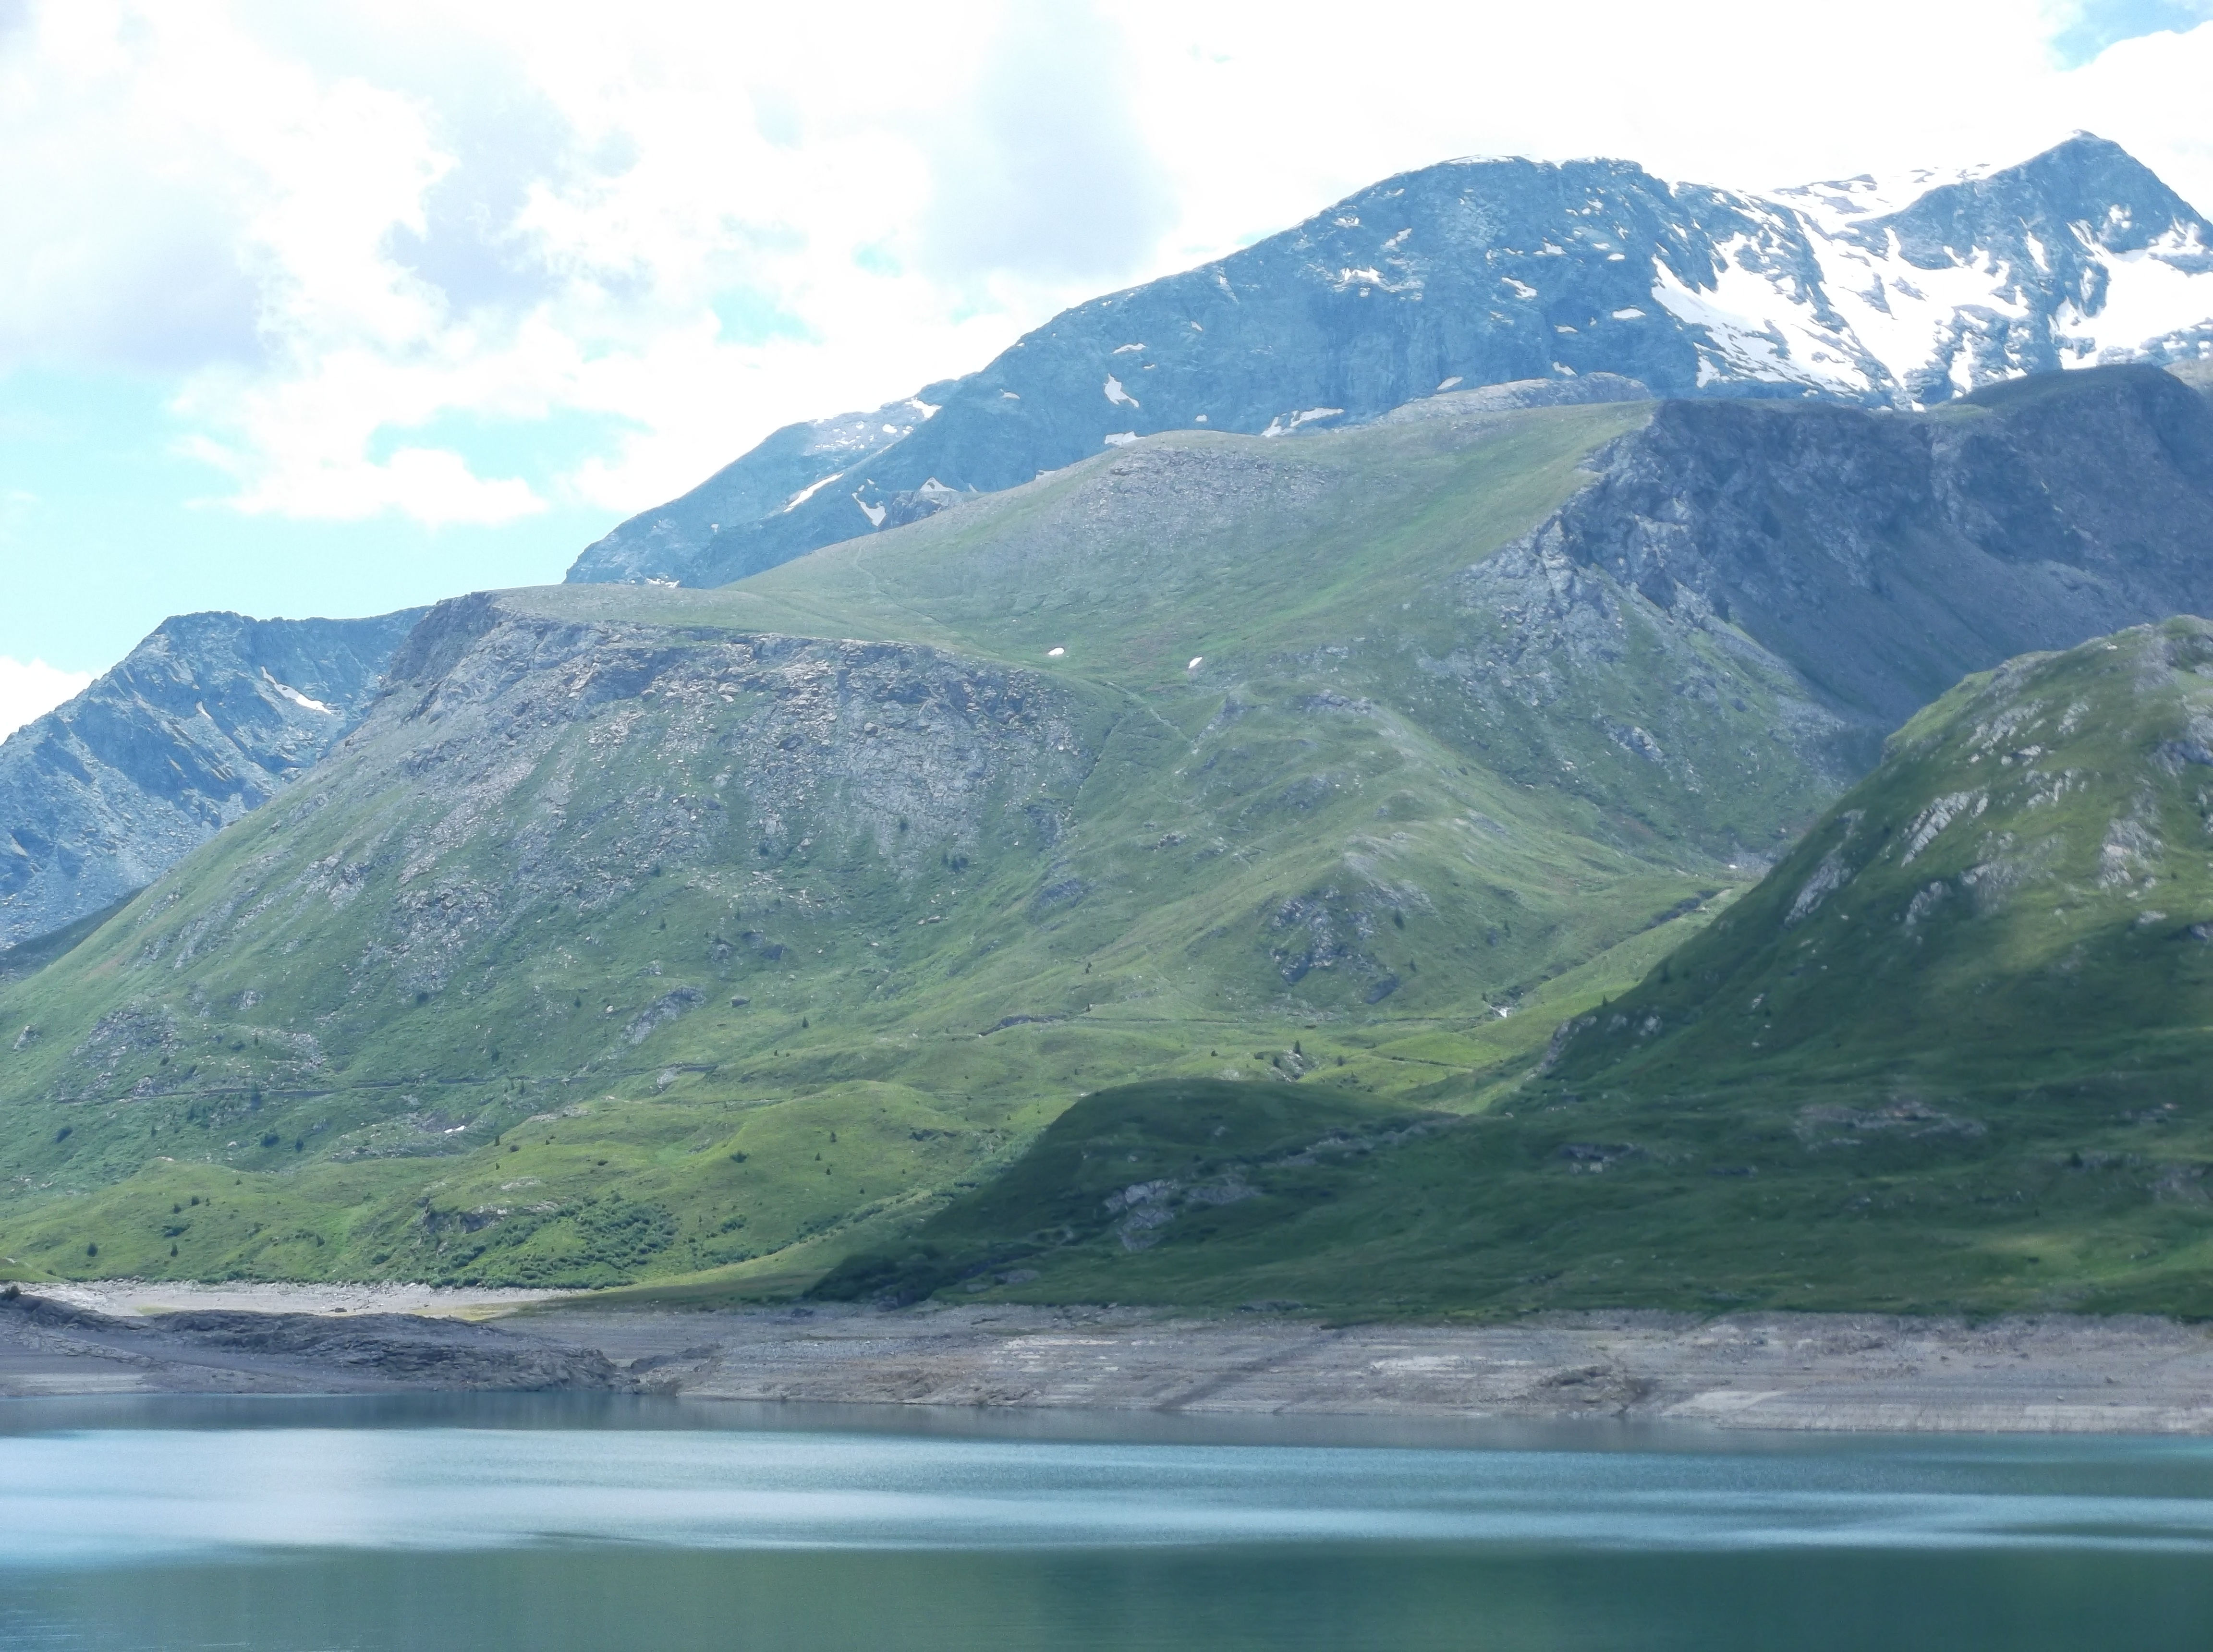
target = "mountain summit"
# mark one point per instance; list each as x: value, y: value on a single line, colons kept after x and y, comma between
x: 1489, y: 271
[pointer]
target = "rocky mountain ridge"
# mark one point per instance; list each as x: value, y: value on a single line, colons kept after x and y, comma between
x: 1478, y: 272
x: 209, y: 716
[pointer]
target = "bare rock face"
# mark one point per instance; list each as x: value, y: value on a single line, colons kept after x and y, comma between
x: 1883, y: 555
x: 209, y: 716
x: 794, y: 742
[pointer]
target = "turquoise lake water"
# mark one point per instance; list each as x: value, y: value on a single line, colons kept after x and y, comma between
x: 550, y: 1524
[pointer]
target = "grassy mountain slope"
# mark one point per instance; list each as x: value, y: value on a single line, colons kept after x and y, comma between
x: 1200, y: 1161
x: 2020, y: 899
x: 641, y: 931
x: 1951, y: 1053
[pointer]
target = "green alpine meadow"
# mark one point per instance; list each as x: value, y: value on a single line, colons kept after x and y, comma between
x: 1432, y: 868
x: 1949, y: 1055
x: 644, y: 932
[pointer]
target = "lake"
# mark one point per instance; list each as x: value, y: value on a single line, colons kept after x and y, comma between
x: 551, y: 1522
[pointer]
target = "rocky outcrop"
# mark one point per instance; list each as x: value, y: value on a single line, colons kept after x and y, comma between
x: 231, y: 1351
x: 209, y: 716
x: 1881, y: 556
x: 1483, y: 272
x: 399, y: 1349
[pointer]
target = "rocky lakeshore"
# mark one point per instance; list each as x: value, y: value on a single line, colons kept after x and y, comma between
x: 1825, y: 1372
x: 48, y: 1346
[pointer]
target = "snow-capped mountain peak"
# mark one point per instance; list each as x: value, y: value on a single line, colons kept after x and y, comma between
x: 2078, y: 256
x: 1901, y: 292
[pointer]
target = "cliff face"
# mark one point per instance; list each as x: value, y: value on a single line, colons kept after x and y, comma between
x: 1883, y: 555
x: 209, y: 716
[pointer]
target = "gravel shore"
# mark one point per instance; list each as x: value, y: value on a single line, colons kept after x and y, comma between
x: 129, y: 1297
x: 1839, y: 1372
x: 1769, y: 1371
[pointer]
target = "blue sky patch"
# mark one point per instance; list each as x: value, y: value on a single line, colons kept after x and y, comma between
x: 2100, y: 23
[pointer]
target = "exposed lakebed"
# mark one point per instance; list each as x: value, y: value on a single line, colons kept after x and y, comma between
x: 587, y: 1520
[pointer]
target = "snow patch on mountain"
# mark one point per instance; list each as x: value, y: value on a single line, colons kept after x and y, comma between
x: 304, y: 702
x: 2161, y: 294
x: 1761, y: 323
x: 1284, y: 423
x: 804, y: 493
x: 1951, y: 281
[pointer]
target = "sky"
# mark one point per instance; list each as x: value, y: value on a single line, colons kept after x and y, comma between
x: 343, y: 309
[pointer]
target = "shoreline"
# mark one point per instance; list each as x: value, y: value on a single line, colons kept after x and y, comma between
x: 1833, y: 1373
x: 1842, y: 1372
x: 123, y: 1297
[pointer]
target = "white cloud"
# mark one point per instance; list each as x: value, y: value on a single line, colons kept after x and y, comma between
x: 382, y: 251
x: 1044, y: 170
x: 32, y: 688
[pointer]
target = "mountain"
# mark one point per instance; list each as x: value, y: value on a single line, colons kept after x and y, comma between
x: 776, y: 476
x: 1478, y: 272
x: 639, y: 930
x: 2015, y: 910
x: 1950, y: 1055
x: 637, y: 895
x: 209, y: 716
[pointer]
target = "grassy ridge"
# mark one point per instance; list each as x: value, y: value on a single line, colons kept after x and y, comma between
x: 515, y: 989
x: 1951, y: 1054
